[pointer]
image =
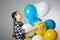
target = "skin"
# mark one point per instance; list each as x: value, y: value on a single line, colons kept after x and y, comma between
x: 18, y: 18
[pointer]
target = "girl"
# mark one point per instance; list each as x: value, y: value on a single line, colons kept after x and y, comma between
x: 18, y: 32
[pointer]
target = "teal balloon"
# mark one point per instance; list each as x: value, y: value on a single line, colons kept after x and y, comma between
x: 50, y: 24
x: 31, y: 22
x: 30, y: 11
x: 35, y: 20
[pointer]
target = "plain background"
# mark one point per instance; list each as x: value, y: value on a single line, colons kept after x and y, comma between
x: 9, y: 6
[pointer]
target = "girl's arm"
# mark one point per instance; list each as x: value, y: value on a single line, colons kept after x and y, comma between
x: 32, y: 29
x: 12, y: 35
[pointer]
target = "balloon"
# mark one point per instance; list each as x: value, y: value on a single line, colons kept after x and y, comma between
x: 37, y: 37
x: 42, y: 9
x: 23, y: 10
x: 30, y: 11
x: 35, y: 20
x: 50, y: 24
x: 27, y: 26
x: 27, y: 39
x: 50, y: 34
x: 42, y: 30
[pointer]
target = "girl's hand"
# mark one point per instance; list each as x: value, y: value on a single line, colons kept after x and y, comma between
x: 12, y: 35
x: 39, y: 26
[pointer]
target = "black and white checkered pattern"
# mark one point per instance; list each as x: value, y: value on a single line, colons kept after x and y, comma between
x: 19, y: 32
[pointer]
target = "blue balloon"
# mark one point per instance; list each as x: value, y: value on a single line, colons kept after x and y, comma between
x: 31, y: 22
x: 50, y: 24
x: 35, y: 20
x: 30, y: 11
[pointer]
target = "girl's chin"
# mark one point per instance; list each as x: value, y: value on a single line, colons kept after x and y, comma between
x: 21, y: 18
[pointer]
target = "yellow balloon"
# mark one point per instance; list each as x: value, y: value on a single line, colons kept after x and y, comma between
x: 50, y: 34
x: 42, y: 30
x: 27, y: 39
x: 23, y: 10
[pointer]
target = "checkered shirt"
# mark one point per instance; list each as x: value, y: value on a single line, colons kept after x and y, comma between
x: 19, y: 32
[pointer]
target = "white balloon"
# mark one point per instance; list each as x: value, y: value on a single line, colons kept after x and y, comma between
x: 27, y: 26
x: 42, y: 9
x: 37, y: 37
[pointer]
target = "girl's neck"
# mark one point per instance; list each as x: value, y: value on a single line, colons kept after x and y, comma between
x: 17, y: 20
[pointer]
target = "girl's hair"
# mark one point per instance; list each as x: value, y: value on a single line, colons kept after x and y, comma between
x: 13, y: 16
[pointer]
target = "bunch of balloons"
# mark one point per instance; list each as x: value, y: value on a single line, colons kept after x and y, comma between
x: 47, y: 31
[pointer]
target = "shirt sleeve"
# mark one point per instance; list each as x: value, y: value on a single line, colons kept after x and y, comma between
x: 21, y: 24
x: 21, y: 31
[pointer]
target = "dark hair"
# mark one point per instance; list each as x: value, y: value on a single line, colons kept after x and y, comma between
x: 13, y: 16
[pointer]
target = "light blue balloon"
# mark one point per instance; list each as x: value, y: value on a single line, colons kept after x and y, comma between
x: 35, y: 20
x: 30, y: 11
x: 50, y: 24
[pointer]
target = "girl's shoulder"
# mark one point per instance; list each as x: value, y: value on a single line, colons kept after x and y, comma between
x: 21, y: 23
